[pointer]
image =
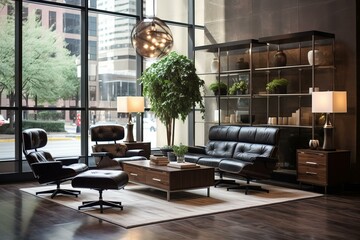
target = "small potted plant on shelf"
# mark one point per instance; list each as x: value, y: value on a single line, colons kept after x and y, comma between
x: 179, y: 151
x: 219, y: 88
x: 238, y: 88
x: 277, y: 85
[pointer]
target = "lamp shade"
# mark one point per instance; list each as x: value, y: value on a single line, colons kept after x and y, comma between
x: 329, y: 102
x: 152, y: 38
x: 130, y: 104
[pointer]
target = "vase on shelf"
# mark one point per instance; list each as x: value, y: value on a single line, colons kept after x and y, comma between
x: 280, y: 59
x: 215, y: 65
x: 313, y: 144
x: 242, y: 64
x: 315, y: 56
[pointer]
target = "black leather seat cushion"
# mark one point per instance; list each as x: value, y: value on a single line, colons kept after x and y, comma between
x: 101, y: 179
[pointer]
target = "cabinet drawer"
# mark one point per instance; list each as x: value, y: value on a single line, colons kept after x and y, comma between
x: 312, y: 168
x: 157, y: 179
x: 312, y: 174
x: 136, y: 174
x: 313, y: 159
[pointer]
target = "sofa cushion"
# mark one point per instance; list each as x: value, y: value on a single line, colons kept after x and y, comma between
x: 193, y: 157
x: 232, y: 165
x: 259, y: 135
x: 116, y: 149
x: 222, y: 149
x: 249, y: 151
x: 210, y: 161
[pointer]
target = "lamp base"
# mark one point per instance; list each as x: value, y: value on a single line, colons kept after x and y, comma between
x: 328, y: 144
x: 129, y: 135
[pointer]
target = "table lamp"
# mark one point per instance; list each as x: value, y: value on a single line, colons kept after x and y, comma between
x: 130, y: 104
x: 329, y: 102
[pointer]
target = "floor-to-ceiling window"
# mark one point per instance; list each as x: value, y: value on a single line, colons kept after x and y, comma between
x: 44, y: 81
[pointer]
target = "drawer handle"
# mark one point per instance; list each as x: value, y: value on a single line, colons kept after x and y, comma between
x: 311, y: 173
x: 311, y: 163
x: 157, y: 179
x: 133, y: 174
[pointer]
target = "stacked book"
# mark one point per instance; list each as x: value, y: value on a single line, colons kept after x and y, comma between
x: 159, y: 160
x: 183, y: 165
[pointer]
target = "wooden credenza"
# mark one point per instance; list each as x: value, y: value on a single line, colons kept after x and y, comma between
x: 323, y: 168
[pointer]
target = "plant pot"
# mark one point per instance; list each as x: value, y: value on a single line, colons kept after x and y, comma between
x: 280, y: 90
x: 180, y: 159
x: 171, y: 156
x: 220, y: 91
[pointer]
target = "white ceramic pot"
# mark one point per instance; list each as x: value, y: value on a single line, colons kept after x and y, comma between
x: 215, y: 65
x: 317, y: 56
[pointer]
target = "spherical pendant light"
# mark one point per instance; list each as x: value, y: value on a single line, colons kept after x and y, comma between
x: 152, y: 38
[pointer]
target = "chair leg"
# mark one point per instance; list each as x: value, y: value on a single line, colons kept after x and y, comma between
x: 222, y: 181
x: 59, y: 190
x: 248, y: 187
x: 101, y: 203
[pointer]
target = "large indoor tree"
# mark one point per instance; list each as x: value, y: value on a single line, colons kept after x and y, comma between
x: 173, y: 89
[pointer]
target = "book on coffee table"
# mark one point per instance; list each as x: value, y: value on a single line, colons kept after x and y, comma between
x: 159, y: 160
x: 183, y: 165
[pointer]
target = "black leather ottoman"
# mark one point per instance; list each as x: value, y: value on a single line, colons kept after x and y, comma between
x: 101, y: 180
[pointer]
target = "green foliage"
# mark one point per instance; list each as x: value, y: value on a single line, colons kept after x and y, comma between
x: 49, y: 115
x: 218, y: 87
x: 48, y: 69
x: 238, y: 86
x: 276, y: 83
x: 173, y: 89
x: 49, y: 126
x: 180, y: 150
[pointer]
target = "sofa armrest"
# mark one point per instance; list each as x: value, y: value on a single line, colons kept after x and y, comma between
x: 101, y: 154
x: 269, y: 162
x: 196, y: 149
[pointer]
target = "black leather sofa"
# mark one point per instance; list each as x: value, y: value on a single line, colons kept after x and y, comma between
x: 249, y: 152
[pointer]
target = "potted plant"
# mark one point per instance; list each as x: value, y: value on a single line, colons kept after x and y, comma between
x: 277, y: 85
x: 179, y: 151
x: 238, y: 87
x: 219, y: 88
x: 173, y: 89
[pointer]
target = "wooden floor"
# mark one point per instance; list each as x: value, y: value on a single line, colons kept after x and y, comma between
x: 23, y: 216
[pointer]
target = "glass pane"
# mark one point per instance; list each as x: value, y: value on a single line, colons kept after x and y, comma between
x: 122, y: 6
x: 70, y: 2
x: 7, y: 143
x: 175, y: 10
x: 112, y: 61
x: 62, y: 127
x: 7, y: 89
x: 49, y: 65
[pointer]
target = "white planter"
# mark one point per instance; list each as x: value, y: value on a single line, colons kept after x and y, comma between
x: 317, y: 56
x: 215, y: 65
x: 216, y: 116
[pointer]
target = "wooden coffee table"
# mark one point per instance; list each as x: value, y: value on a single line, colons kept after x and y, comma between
x: 169, y: 179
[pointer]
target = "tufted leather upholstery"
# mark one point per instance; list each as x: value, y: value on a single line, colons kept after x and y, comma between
x: 246, y: 151
x: 107, y: 151
x: 45, y: 168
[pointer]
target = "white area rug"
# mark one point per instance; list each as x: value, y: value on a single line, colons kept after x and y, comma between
x: 143, y: 205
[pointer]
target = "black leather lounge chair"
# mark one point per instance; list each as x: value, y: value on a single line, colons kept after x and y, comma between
x: 45, y: 168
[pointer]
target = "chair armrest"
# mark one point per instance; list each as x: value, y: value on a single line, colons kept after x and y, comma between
x: 71, y: 160
x: 46, y: 167
x: 196, y: 149
x: 134, y: 152
x: 101, y: 154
